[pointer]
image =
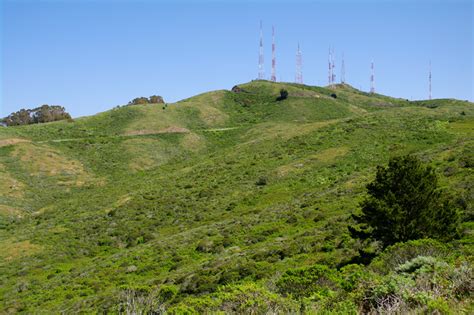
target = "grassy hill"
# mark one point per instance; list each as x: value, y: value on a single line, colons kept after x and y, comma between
x: 203, y: 204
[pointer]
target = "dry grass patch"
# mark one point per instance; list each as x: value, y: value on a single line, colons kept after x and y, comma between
x: 170, y: 129
x: 153, y: 120
x: 43, y: 210
x: 357, y: 110
x: 330, y: 154
x: 45, y: 161
x: 6, y: 142
x: 10, y: 211
x: 192, y: 142
x: 207, y: 104
x: 9, y: 186
x: 12, y: 249
x: 285, y: 131
x: 463, y: 127
x: 301, y: 165
x: 148, y: 153
x: 293, y: 168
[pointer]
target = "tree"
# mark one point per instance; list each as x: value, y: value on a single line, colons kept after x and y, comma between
x: 156, y: 99
x: 404, y: 203
x: 138, y: 101
x: 283, y: 95
x: 48, y: 113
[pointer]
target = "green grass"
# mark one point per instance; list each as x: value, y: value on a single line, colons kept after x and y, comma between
x: 114, y: 202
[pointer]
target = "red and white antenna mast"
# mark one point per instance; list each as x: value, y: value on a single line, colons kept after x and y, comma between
x: 273, y: 77
x: 343, y: 70
x: 330, y: 67
x: 299, y: 66
x: 333, y: 65
x: 372, y: 78
x: 261, y: 69
x: 429, y: 78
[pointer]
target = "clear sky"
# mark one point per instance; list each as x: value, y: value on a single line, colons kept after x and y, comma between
x: 90, y: 56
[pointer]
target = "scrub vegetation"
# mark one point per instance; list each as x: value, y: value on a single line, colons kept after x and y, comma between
x: 244, y: 201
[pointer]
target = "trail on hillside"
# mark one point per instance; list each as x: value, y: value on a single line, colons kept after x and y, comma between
x: 131, y: 135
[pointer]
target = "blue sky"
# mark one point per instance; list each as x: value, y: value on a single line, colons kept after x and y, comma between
x: 92, y: 55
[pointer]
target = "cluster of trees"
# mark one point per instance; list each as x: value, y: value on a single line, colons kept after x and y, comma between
x: 154, y: 99
x: 42, y: 114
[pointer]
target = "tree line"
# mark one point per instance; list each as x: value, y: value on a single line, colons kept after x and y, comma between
x: 42, y: 114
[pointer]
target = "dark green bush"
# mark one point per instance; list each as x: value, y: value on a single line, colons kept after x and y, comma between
x: 262, y: 181
x: 283, y: 95
x: 167, y: 293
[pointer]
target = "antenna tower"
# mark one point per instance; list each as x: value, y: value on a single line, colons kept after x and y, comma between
x: 261, y: 69
x: 273, y: 77
x: 330, y: 67
x: 343, y: 70
x: 372, y: 78
x: 333, y: 64
x: 299, y: 66
x: 429, y: 77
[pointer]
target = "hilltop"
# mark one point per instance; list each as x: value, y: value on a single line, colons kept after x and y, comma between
x: 208, y: 201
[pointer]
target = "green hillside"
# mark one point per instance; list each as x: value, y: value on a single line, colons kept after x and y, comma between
x: 202, y: 205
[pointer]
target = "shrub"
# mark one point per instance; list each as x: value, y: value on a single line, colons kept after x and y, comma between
x: 401, y: 253
x: 351, y: 275
x: 303, y: 282
x: 283, y: 95
x: 262, y: 181
x: 247, y: 298
x: 206, y: 246
x: 167, y: 293
x: 139, y: 302
x: 404, y: 203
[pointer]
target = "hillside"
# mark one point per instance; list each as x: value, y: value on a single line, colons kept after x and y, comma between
x: 207, y: 201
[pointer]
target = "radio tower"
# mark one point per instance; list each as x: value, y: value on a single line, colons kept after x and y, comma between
x: 343, y: 70
x: 273, y: 78
x: 333, y: 64
x: 372, y: 78
x: 330, y: 67
x: 429, y: 78
x: 299, y: 66
x: 261, y: 69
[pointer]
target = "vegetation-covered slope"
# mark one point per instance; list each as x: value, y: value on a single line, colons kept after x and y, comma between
x: 205, y: 203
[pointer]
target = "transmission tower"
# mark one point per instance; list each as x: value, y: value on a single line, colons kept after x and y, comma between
x: 329, y: 67
x: 299, y: 66
x: 333, y: 65
x: 261, y: 69
x: 343, y: 70
x: 372, y: 78
x: 429, y: 79
x: 273, y: 78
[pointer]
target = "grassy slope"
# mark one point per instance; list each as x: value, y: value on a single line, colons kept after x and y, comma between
x: 140, y: 196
